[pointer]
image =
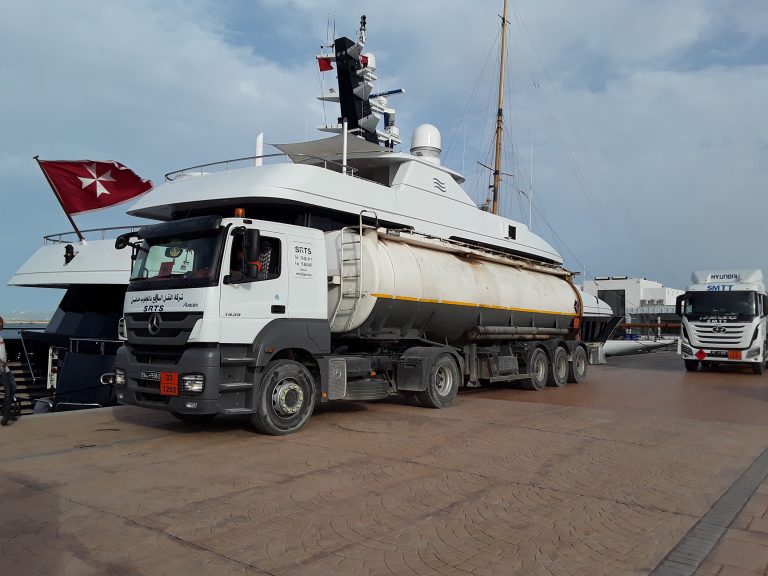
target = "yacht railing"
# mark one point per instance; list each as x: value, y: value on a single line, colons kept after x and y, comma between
x: 100, y: 344
x: 238, y: 163
x: 96, y: 233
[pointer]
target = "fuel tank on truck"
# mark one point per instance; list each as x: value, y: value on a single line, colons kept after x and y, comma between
x: 400, y: 285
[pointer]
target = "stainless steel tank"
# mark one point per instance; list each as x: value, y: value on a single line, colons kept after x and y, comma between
x: 405, y: 285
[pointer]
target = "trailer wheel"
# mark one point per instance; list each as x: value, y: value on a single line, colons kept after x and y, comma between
x: 758, y: 368
x: 691, y: 365
x: 442, y: 384
x: 558, y: 371
x: 193, y: 417
x: 577, y: 369
x: 285, y: 398
x: 538, y: 368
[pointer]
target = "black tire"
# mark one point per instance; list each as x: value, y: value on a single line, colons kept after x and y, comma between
x: 558, y: 370
x: 285, y: 398
x: 193, y: 417
x: 442, y: 383
x: 691, y: 365
x: 538, y: 367
x: 577, y: 367
x: 758, y: 367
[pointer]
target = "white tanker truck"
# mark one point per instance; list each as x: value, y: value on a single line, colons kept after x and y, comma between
x: 359, y: 313
x: 382, y: 277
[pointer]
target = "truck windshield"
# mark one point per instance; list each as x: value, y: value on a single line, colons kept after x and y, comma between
x: 183, y: 262
x: 731, y: 305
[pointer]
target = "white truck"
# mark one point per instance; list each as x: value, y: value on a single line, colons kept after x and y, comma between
x: 723, y: 316
x: 359, y: 313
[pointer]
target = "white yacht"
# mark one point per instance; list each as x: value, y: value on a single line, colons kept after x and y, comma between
x: 329, y: 183
x: 355, y: 176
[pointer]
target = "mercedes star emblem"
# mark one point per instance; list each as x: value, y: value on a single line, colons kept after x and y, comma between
x: 154, y: 324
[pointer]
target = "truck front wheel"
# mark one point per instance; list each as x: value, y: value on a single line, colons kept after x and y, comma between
x: 442, y: 383
x: 691, y: 365
x: 285, y: 398
x: 758, y: 368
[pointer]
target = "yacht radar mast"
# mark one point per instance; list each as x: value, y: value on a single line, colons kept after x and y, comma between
x: 363, y: 110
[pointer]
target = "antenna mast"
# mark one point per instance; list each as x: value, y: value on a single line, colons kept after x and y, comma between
x: 500, y: 114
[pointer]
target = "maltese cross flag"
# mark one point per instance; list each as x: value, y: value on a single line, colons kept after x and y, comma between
x: 85, y: 185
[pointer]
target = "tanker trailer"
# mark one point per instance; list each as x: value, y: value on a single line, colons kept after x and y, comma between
x: 360, y: 313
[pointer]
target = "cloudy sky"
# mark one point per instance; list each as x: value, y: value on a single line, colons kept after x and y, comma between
x: 644, y: 122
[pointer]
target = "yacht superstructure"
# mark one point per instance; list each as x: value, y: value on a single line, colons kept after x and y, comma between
x: 329, y: 183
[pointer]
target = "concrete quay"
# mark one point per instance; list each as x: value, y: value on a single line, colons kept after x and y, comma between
x: 636, y: 471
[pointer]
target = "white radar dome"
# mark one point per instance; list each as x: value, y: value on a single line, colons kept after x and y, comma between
x: 426, y: 143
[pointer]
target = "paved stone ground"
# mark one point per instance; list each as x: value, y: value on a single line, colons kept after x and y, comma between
x: 743, y: 550
x: 504, y: 482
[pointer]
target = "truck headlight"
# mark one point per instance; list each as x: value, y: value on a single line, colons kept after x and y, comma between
x: 193, y: 383
x: 752, y: 352
x: 686, y: 350
x: 119, y: 377
x: 122, y: 331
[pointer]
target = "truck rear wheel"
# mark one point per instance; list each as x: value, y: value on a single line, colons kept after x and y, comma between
x: 691, y: 365
x: 558, y: 371
x: 285, y: 398
x: 577, y: 369
x: 538, y: 368
x: 442, y: 383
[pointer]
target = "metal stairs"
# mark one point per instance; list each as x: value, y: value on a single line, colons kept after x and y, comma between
x: 27, y: 389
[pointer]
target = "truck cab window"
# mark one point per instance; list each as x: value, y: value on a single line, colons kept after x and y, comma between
x: 236, y: 255
x: 267, y: 263
x: 269, y: 258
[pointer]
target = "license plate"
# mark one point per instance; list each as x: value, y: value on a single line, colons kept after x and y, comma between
x: 150, y: 375
x: 717, y: 354
x: 169, y: 383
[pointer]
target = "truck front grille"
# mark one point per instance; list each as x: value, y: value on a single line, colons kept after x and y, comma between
x: 719, y: 335
x: 171, y: 328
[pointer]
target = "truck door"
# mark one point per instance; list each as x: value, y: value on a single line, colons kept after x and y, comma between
x: 246, y: 307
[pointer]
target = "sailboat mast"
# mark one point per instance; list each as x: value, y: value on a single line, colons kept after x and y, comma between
x: 500, y: 114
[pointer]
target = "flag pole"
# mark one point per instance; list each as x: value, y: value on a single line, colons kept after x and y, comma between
x: 56, y: 193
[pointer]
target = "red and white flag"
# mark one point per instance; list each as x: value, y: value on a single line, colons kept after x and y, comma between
x: 86, y: 185
x: 324, y: 63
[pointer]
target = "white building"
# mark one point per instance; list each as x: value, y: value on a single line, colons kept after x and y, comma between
x: 637, y: 299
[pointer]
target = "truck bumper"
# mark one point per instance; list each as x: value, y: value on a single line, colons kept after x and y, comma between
x: 752, y: 355
x: 223, y: 390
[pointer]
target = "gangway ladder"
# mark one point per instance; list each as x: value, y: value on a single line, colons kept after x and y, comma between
x: 351, y: 277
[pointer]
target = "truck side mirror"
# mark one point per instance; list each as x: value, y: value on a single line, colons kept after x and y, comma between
x: 124, y: 240
x: 251, y: 241
x: 679, y: 304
